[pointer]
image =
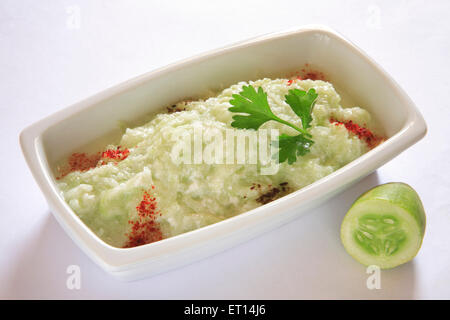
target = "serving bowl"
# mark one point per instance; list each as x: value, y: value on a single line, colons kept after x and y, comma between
x: 278, y: 54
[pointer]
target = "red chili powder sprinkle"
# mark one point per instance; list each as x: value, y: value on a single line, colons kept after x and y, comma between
x: 291, y: 81
x: 83, y: 161
x: 361, y: 132
x: 80, y: 162
x: 306, y: 73
x: 117, y: 154
x: 312, y: 75
x: 144, y: 229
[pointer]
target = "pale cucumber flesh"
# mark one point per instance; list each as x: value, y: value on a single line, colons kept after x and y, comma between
x: 385, y: 226
x: 379, y: 234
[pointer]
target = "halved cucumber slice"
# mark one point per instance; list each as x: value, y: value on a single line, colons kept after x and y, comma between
x: 384, y: 226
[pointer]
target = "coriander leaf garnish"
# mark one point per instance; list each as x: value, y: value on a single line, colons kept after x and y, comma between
x: 302, y: 102
x: 255, y: 105
x: 293, y: 146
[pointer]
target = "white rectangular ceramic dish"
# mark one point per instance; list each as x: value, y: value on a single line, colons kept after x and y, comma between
x: 279, y: 54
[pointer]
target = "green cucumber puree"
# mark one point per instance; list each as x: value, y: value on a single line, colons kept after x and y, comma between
x: 191, y: 196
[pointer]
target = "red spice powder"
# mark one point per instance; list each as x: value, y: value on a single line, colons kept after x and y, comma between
x: 312, y: 75
x: 307, y: 72
x: 361, y: 132
x: 291, y: 81
x: 80, y: 162
x: 144, y: 229
x: 117, y: 154
x: 83, y: 161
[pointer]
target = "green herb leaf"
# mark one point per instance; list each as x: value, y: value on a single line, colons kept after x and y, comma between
x: 302, y: 102
x: 255, y: 104
x: 292, y: 146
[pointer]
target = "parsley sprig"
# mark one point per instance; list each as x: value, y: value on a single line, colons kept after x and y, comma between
x: 255, y: 105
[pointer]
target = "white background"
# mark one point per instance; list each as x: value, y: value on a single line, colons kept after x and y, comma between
x: 51, y: 57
